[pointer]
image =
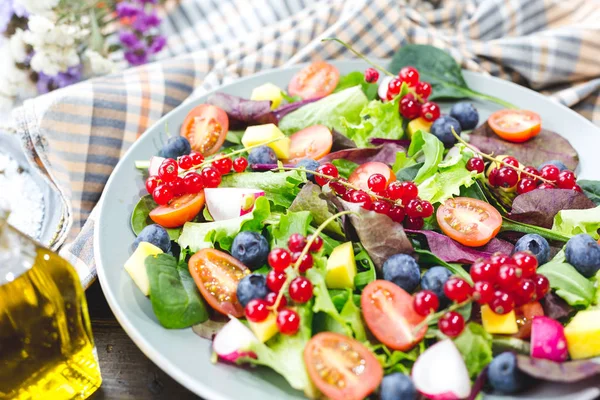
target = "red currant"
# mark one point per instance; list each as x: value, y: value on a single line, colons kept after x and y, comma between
x: 423, y: 90
x: 531, y: 171
x: 475, y: 164
x: 197, y: 158
x: 430, y: 111
x: 257, y: 310
x: 577, y: 188
x: 240, y: 164
x: 348, y: 195
x: 279, y: 259
x: 451, y: 324
x: 511, y: 161
x: 371, y: 75
x: 507, y: 177
x: 223, y: 165
x: 526, y: 185
x: 425, y: 302
x: 193, y: 182
x: 566, y: 180
x: 410, y: 75
x: 394, y: 88
x: 177, y: 186
x: 483, y: 292
x: 508, y: 277
x: 296, y: 242
x: 168, y: 170
x: 306, y: 263
x: 288, y: 321
x: 358, y: 196
x: 493, y: 177
x: 275, y: 280
x: 524, y: 292
x: 550, y: 172
x: 338, y: 187
x: 317, y: 244
x: 542, y: 286
x: 413, y: 208
x: 482, y: 271
x: 397, y: 214
x: 409, y: 191
x: 162, y: 195
x: 426, y: 209
x: 414, y: 223
x: 527, y: 262
x: 271, y: 298
x: 326, y: 169
x: 395, y: 190
x: 457, y: 289
x: 301, y: 290
x: 377, y: 183
x: 502, y: 303
x: 382, y: 207
x: 546, y: 186
x: 151, y: 183
x: 498, y: 260
x: 211, y: 177
x: 185, y: 162
x: 409, y: 107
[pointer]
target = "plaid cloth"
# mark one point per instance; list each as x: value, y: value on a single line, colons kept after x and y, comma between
x: 77, y: 135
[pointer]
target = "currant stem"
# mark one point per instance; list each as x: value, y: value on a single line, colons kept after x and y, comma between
x: 439, y: 314
x: 346, y: 45
x: 497, y: 160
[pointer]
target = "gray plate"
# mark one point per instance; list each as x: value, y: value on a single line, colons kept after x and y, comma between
x: 182, y: 354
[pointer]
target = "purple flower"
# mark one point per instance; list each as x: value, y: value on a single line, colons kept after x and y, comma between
x: 128, y: 38
x: 125, y: 9
x: 6, y: 14
x: 146, y: 1
x: 144, y: 22
x: 48, y: 83
x: 137, y: 55
x: 158, y: 43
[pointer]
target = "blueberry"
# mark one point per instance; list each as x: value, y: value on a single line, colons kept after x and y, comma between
x: 503, y: 374
x: 403, y: 270
x: 397, y: 386
x: 466, y: 114
x: 310, y: 165
x: 253, y: 286
x: 442, y: 129
x: 434, y: 279
x: 583, y: 252
x: 176, y: 146
x: 251, y: 249
x: 156, y: 235
x: 537, y: 245
x: 556, y: 163
x: 262, y: 155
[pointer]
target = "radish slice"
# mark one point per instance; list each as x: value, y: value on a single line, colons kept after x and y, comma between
x: 440, y: 373
x: 233, y: 341
x: 548, y: 340
x: 227, y: 203
x: 383, y: 87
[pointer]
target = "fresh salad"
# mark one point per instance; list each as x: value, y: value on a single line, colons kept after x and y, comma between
x: 347, y: 234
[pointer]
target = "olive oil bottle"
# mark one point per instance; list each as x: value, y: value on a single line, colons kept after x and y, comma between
x: 46, y: 345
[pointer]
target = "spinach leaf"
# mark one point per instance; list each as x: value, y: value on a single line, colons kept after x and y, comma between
x: 365, y: 266
x: 439, y: 69
x: 357, y: 78
x: 408, y: 173
x: 234, y: 137
x: 175, y: 298
x: 475, y: 345
x: 514, y: 226
x: 591, y: 189
x: 140, y: 217
x: 433, y: 150
x: 345, y: 167
x: 568, y: 283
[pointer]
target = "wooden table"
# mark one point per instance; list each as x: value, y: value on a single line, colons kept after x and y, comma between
x: 126, y: 372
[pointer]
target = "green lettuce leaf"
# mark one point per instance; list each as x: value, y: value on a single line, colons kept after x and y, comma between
x: 427, y: 145
x: 568, y: 283
x: 328, y: 111
x: 280, y: 187
x: 352, y: 317
x: 357, y: 78
x: 574, y: 222
x: 394, y: 360
x: 377, y: 119
x: 310, y: 199
x: 365, y: 266
x: 475, y: 345
x: 292, y: 222
x: 345, y: 167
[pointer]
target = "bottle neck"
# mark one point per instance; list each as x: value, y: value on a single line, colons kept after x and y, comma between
x: 17, y: 252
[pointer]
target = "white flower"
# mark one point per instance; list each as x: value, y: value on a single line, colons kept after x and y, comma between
x: 39, y: 7
x: 18, y: 46
x: 95, y: 64
x: 13, y: 81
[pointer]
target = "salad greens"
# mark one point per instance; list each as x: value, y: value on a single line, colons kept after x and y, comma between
x: 591, y: 190
x: 475, y: 345
x: 377, y: 119
x: 573, y: 222
x: 311, y: 199
x: 569, y: 284
x: 357, y: 78
x: 432, y: 150
x: 280, y: 188
x: 140, y: 217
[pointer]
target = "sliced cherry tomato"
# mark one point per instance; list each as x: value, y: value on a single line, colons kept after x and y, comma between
x: 342, y: 368
x: 360, y: 176
x: 205, y: 127
x: 515, y: 125
x: 389, y: 314
x: 469, y: 221
x: 313, y: 142
x: 217, y: 275
x: 525, y: 315
x: 315, y: 80
x: 179, y: 210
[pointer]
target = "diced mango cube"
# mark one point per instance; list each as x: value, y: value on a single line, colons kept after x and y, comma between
x: 259, y: 134
x: 266, y: 329
x: 341, y: 267
x: 136, y: 265
x: 496, y: 323
x: 268, y: 91
x: 418, y: 124
x: 583, y: 335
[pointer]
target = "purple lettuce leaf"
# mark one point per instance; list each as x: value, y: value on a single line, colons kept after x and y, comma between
x: 539, y: 207
x: 546, y: 146
x: 268, y: 167
x: 285, y: 109
x: 478, y: 385
x: 385, y: 154
x: 451, y: 251
x: 243, y: 112
x: 341, y: 142
x: 569, y: 371
x: 555, y: 307
x: 400, y: 142
x: 209, y: 328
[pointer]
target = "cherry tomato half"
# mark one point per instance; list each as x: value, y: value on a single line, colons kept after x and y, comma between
x: 515, y: 125
x: 315, y: 80
x: 360, y: 176
x: 342, y: 368
x: 179, y: 210
x: 525, y: 315
x: 389, y: 314
x: 313, y: 142
x: 217, y: 275
x: 205, y: 127
x: 469, y: 221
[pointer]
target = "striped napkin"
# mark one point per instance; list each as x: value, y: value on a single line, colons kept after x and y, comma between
x: 76, y: 135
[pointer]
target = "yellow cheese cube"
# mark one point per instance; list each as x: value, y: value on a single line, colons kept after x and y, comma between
x: 268, y: 91
x: 266, y: 329
x: 259, y: 134
x: 136, y: 265
x: 418, y: 124
x: 496, y: 323
x: 583, y: 335
x: 341, y: 267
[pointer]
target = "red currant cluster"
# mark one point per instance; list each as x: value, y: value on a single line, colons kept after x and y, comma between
x: 501, y: 282
x: 300, y: 289
x: 398, y: 200
x: 169, y: 183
